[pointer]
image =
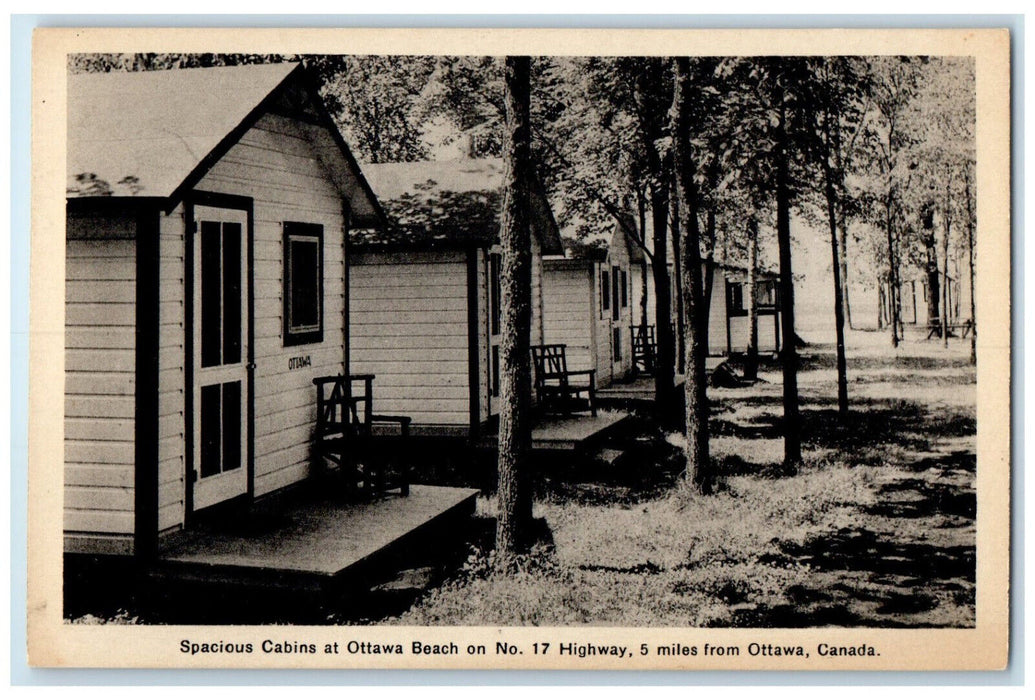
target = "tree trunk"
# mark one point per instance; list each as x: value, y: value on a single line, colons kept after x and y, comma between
x: 880, y: 304
x: 945, y: 261
x: 515, y: 431
x: 842, y: 225
x: 842, y: 252
x: 930, y: 264
x: 839, y: 316
x: 709, y: 278
x: 643, y: 265
x: 751, y: 358
x: 664, y: 375
x: 698, y: 464
x: 970, y: 255
x: 892, y: 307
x: 680, y: 304
x: 791, y: 417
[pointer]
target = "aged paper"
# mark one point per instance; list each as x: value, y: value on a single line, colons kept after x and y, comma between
x: 55, y: 641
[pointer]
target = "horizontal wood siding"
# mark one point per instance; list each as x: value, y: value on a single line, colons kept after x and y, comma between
x: 537, y: 292
x: 567, y: 302
x: 100, y: 325
x: 484, y: 352
x: 408, y: 319
x: 276, y: 164
x: 766, y: 333
x: 171, y: 368
x: 717, y: 316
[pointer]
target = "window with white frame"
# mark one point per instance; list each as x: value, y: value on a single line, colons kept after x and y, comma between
x: 303, y: 283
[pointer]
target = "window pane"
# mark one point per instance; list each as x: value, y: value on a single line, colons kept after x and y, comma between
x: 231, y: 293
x: 211, y: 293
x: 495, y: 287
x: 231, y: 425
x: 210, y: 431
x: 616, y: 311
x: 305, y: 287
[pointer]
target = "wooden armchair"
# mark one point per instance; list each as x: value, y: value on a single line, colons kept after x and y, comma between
x: 644, y: 348
x: 345, y: 427
x: 554, y: 388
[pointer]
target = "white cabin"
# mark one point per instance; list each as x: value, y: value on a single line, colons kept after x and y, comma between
x: 727, y: 311
x: 206, y: 288
x: 588, y: 306
x: 425, y: 294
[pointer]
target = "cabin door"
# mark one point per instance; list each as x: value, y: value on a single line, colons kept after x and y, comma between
x: 220, y: 305
x: 619, y: 297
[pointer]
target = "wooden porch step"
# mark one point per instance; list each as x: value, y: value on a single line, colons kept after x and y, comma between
x: 313, y: 543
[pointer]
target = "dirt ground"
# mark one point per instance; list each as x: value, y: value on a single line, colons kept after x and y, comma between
x: 876, y: 529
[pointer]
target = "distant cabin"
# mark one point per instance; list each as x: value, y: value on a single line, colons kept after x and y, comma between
x: 587, y: 306
x: 728, y: 326
x: 426, y: 297
x: 205, y: 266
x: 915, y: 299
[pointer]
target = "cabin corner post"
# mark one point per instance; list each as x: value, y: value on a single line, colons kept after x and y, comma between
x: 473, y: 370
x: 249, y: 208
x: 346, y: 345
x: 145, y: 491
x: 189, y: 231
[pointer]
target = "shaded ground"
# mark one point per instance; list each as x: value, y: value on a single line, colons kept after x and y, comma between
x: 877, y: 528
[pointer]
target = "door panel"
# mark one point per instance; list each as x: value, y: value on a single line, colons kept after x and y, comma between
x: 220, y: 350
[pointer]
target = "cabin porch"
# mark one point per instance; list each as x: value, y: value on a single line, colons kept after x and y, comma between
x: 640, y: 388
x: 311, y: 542
x: 634, y: 389
x: 565, y: 433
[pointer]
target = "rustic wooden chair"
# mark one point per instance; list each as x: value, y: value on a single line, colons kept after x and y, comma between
x: 554, y: 388
x: 644, y: 348
x: 345, y: 436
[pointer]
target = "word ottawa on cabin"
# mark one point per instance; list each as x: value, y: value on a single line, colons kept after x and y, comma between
x: 299, y: 362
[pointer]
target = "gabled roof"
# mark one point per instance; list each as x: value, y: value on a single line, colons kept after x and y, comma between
x: 578, y: 253
x: 156, y: 133
x: 449, y: 203
x: 620, y: 232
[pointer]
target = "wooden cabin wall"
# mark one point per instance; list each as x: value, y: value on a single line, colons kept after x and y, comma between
x: 482, y: 330
x: 172, y: 353
x: 568, y: 313
x: 717, y: 340
x: 100, y: 383
x: 767, y: 328
x: 409, y: 328
x: 537, y: 292
x: 277, y: 165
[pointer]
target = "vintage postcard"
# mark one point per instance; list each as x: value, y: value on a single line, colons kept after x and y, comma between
x: 520, y: 349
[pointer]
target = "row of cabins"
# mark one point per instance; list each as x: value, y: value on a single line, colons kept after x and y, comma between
x: 226, y: 249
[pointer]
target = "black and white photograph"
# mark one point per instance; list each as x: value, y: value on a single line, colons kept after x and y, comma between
x: 361, y: 342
